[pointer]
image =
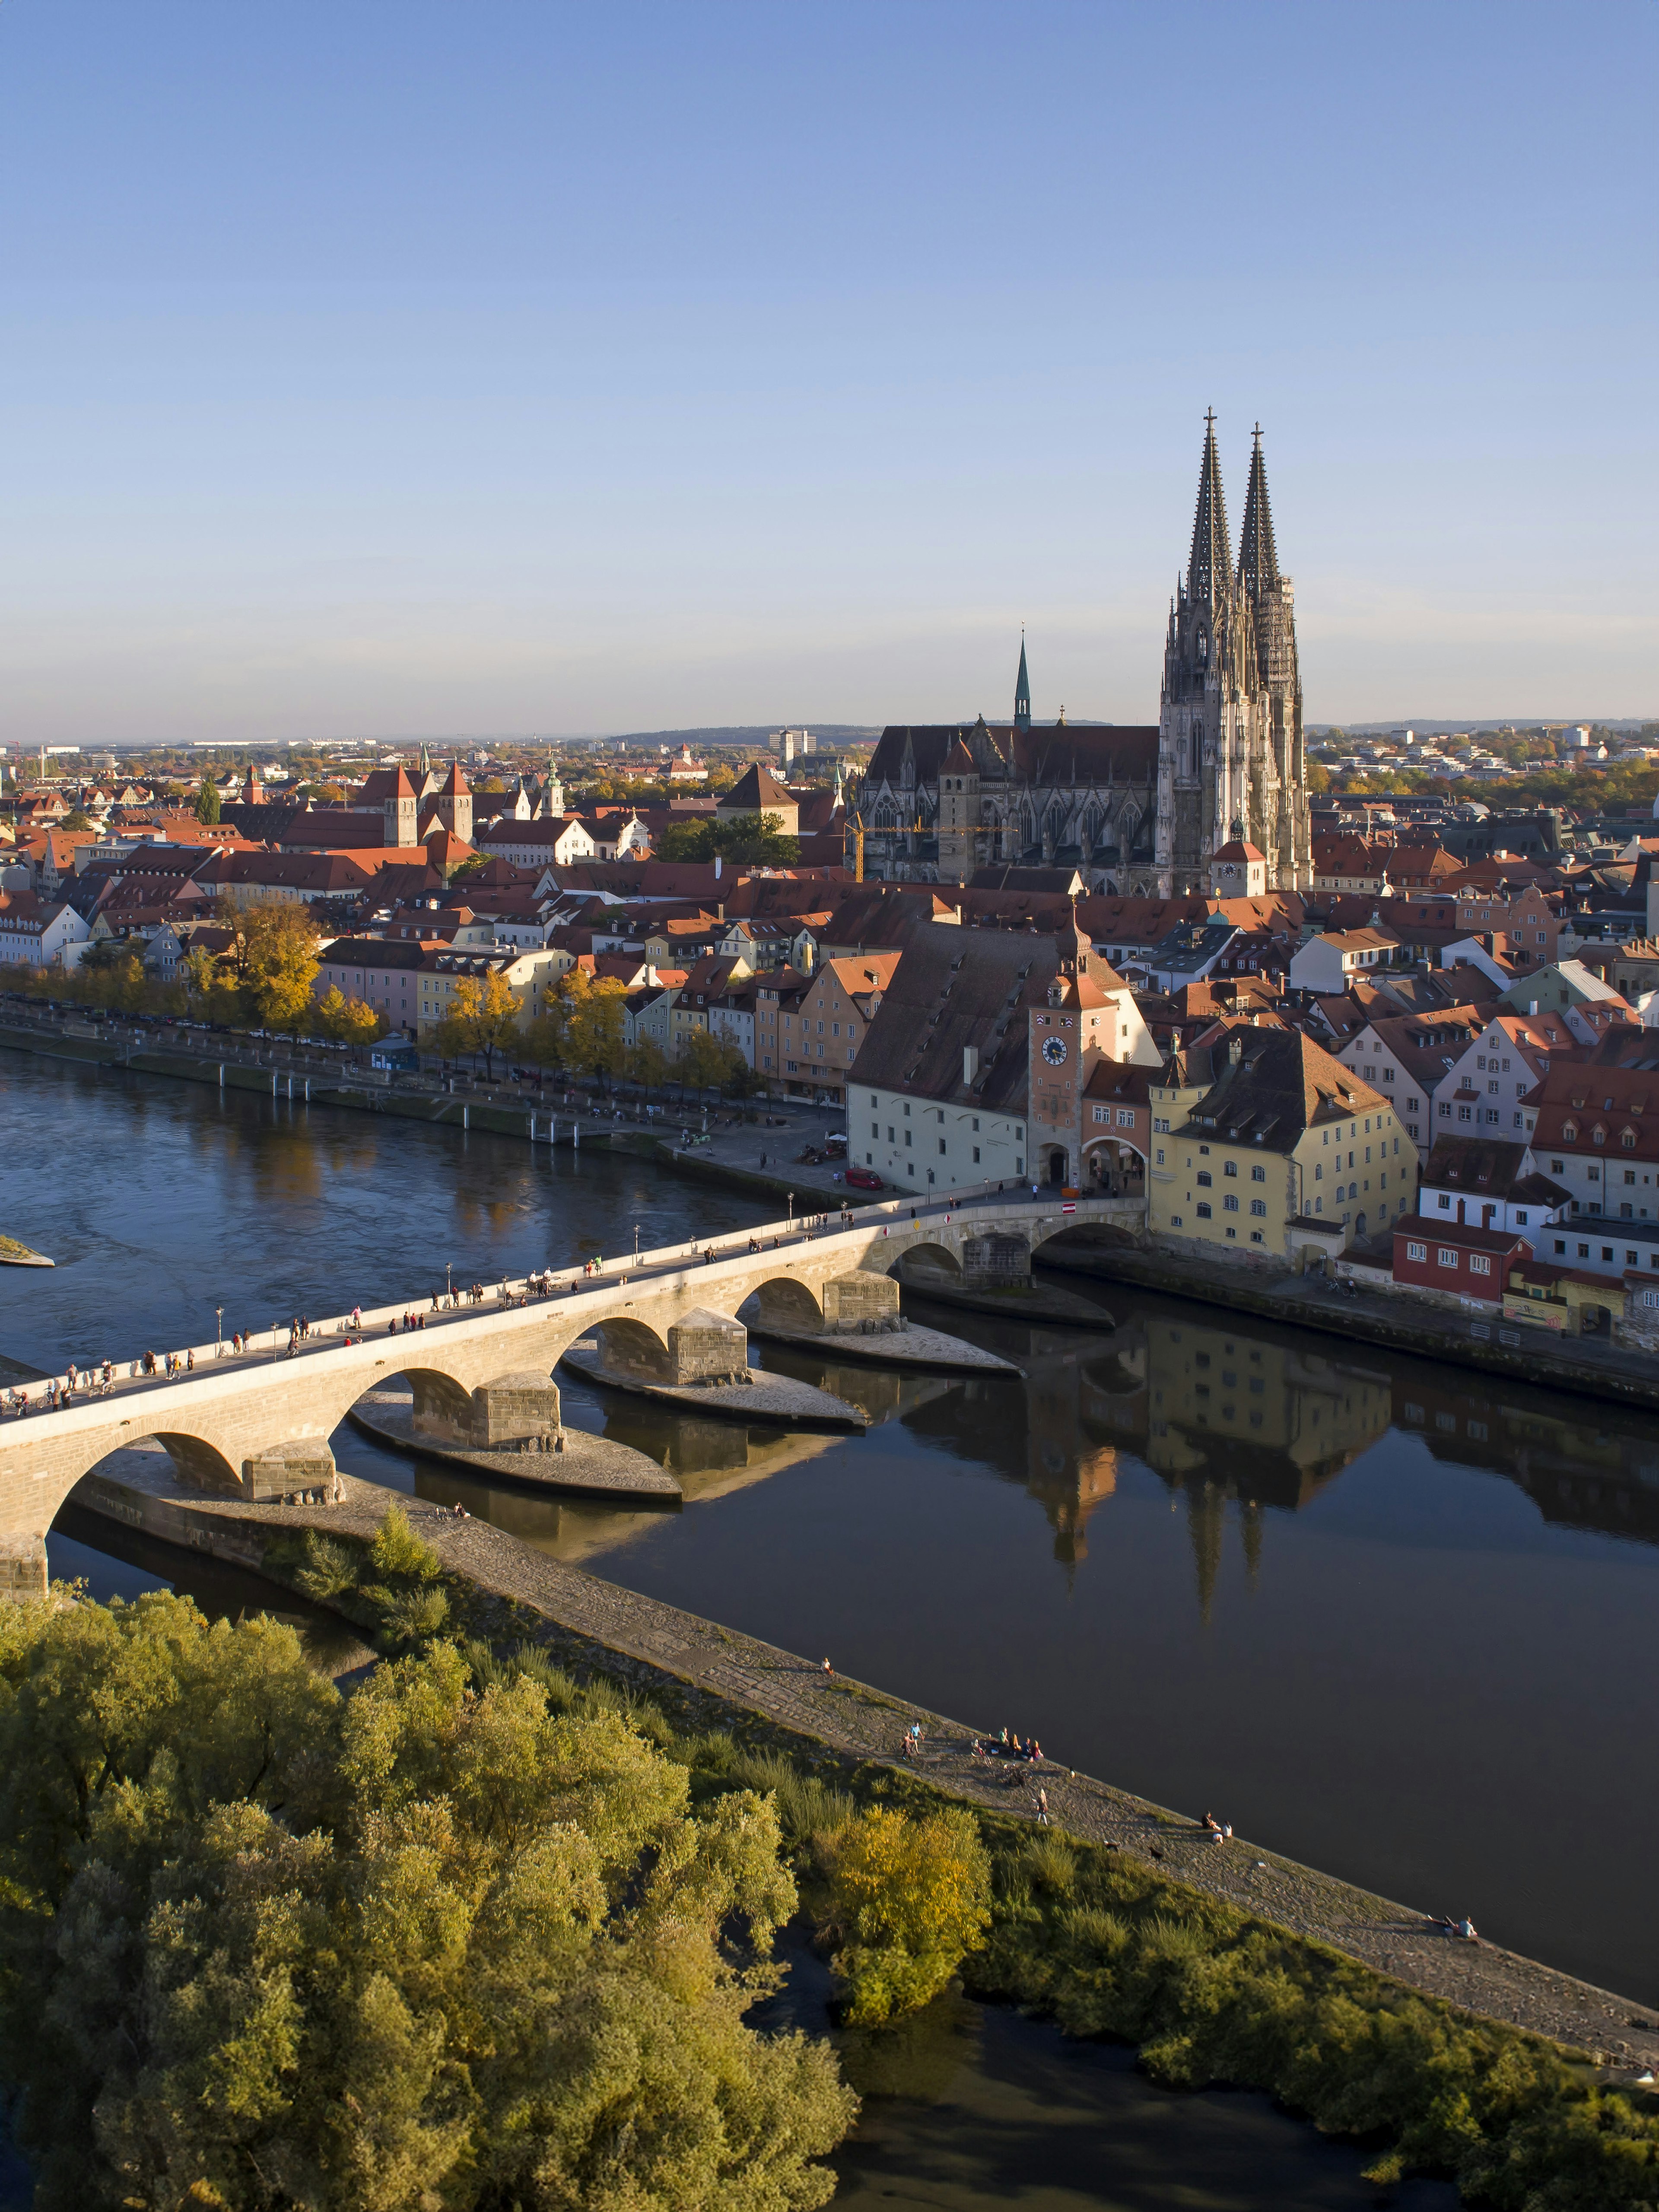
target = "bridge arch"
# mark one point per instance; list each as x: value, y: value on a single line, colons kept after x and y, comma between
x: 629, y: 1347
x: 196, y: 1460
x: 784, y: 1302
x: 924, y: 1263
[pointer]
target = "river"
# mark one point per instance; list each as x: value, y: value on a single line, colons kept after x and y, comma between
x: 1384, y: 1615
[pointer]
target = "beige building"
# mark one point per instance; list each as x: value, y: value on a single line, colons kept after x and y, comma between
x: 532, y: 977
x: 1265, y: 1148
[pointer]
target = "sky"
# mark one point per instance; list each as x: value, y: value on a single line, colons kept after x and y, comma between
x: 376, y: 368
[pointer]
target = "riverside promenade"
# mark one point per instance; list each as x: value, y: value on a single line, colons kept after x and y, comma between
x: 709, y: 1676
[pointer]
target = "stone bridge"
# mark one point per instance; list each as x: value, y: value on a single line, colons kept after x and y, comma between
x: 258, y: 1423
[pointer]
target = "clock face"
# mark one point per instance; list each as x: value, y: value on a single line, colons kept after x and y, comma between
x: 1053, y: 1051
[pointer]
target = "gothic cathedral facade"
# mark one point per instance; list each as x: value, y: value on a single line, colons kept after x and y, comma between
x: 1136, y: 810
x: 1231, y: 757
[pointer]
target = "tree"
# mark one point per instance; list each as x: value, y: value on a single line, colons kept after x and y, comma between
x: 587, y: 1011
x: 76, y: 819
x: 272, y: 962
x: 268, y: 1949
x: 911, y: 1898
x: 348, y: 1021
x: 646, y: 1062
x: 206, y: 801
x: 710, y: 1062
x: 482, y: 1017
x: 756, y: 838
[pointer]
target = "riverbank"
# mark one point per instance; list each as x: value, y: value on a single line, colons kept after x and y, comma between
x: 709, y: 1677
x: 1492, y: 1347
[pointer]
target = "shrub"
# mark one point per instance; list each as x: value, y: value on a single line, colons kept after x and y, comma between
x: 911, y: 1898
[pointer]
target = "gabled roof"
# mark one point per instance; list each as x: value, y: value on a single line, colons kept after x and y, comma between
x: 1270, y: 1085
x: 956, y: 989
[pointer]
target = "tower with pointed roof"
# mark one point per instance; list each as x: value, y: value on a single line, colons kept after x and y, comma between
x: 1230, y: 724
x: 1022, y: 692
x: 1272, y: 604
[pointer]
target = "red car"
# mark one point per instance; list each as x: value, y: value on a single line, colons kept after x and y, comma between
x: 863, y: 1179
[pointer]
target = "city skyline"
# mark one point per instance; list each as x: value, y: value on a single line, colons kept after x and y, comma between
x: 369, y: 378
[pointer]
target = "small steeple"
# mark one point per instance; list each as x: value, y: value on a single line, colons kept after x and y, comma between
x: 1022, y: 691
x: 1258, y: 560
x: 1209, y: 571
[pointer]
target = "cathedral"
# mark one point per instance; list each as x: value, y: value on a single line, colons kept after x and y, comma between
x: 1136, y: 811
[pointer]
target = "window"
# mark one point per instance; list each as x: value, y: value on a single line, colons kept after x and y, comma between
x: 941, y: 1144
x: 1231, y: 1168
x: 1446, y: 1257
x: 1560, y: 1244
x: 1205, y: 1213
x: 1417, y: 1252
x: 975, y: 1155
x: 1443, y: 1110
x: 1207, y: 1181
x: 1230, y: 1204
x: 1479, y: 1264
x: 1258, y: 1206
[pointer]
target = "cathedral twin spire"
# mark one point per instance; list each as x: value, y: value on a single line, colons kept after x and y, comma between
x: 1210, y: 569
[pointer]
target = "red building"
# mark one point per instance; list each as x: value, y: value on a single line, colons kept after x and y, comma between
x: 1455, y: 1257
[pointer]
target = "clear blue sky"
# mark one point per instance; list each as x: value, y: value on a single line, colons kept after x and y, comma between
x: 493, y: 366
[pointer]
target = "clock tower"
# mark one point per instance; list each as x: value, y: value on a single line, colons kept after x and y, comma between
x: 1073, y: 1030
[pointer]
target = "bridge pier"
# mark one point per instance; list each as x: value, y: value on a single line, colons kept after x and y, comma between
x: 700, y: 1347
x: 305, y: 1463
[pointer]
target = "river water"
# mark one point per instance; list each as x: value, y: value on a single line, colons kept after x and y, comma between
x: 1382, y: 1614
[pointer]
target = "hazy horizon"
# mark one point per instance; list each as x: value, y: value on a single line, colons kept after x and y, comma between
x: 588, y: 371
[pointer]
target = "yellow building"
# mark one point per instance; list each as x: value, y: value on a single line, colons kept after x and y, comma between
x: 1265, y: 1148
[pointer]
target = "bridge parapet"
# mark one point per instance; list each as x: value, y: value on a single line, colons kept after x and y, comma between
x: 483, y: 1372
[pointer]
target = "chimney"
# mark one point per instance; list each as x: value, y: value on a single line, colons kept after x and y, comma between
x: 969, y: 1062
x: 717, y: 867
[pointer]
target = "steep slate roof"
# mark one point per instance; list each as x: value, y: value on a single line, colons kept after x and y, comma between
x: 955, y: 988
x: 1271, y: 1085
x: 1475, y: 1164
x: 1058, y: 753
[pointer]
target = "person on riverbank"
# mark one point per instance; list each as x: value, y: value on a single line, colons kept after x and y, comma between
x: 1042, y: 1808
x: 829, y: 1672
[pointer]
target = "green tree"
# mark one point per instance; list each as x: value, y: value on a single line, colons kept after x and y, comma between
x: 76, y: 819
x: 712, y: 1063
x: 267, y: 1950
x: 206, y: 801
x: 910, y: 1900
x: 482, y: 1017
x: 756, y: 838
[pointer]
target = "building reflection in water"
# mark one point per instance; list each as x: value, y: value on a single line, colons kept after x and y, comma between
x: 1233, y: 1423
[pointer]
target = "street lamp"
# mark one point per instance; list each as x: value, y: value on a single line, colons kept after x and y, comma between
x: 449, y: 1287
x: 792, y: 1212
x: 218, y: 1332
x: 636, y: 1244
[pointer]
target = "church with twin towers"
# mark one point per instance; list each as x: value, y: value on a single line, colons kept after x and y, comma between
x: 1142, y: 811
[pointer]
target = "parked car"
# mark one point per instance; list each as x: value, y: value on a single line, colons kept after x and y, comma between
x: 863, y: 1179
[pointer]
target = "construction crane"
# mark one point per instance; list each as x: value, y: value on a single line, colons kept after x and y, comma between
x: 903, y: 829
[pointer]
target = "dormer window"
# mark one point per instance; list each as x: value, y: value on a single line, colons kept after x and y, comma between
x: 1598, y: 1135
x: 1569, y: 1133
